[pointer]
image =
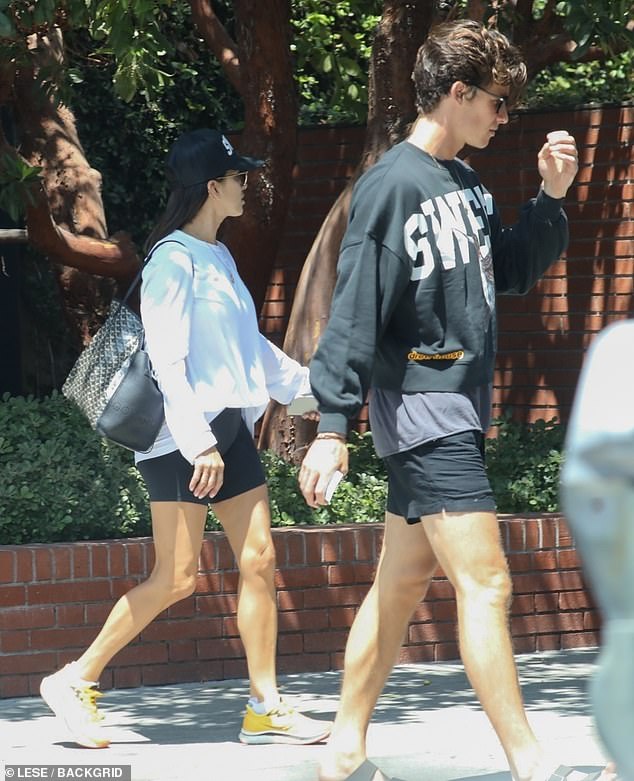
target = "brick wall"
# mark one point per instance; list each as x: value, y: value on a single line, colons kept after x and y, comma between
x: 543, y: 336
x: 54, y: 598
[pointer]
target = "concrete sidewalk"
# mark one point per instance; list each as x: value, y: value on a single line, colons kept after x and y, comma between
x: 427, y: 726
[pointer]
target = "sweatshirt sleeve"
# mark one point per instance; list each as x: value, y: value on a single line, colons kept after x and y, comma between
x: 166, y: 305
x: 285, y: 377
x: 523, y: 253
x: 370, y: 281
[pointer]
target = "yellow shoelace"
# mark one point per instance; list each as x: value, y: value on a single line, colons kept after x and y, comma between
x: 88, y: 695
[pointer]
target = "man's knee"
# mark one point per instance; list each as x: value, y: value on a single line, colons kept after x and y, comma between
x: 491, y: 583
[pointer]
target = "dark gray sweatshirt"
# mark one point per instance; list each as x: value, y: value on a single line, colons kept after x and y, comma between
x: 414, y: 305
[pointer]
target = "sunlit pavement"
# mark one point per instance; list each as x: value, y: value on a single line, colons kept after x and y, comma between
x: 427, y: 726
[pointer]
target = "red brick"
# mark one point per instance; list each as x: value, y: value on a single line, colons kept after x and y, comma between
x: 548, y: 642
x: 367, y: 544
x: 24, y: 565
x: 412, y: 654
x: 525, y: 644
x: 296, y: 549
x: 142, y: 653
x: 185, y: 608
x: 424, y: 612
x: 579, y: 640
x: 431, y: 633
x: 290, y: 643
x: 42, y: 564
x: 281, y: 555
x: 301, y: 577
x: 116, y: 560
x: 121, y: 586
x: 329, y: 546
x: 440, y: 589
x: 216, y: 605
x: 99, y: 560
x: 69, y: 615
x: 522, y: 562
x: 29, y: 662
x: 335, y: 595
x: 60, y: 593
x: 290, y: 600
x: 547, y: 603
x: 126, y: 677
x: 11, y: 596
x: 182, y: 651
x: 54, y: 639
x: 591, y: 620
x: 310, y: 620
x: 14, y: 642
x: 7, y: 566
x: 306, y: 663
x: 230, y: 582
x: 62, y: 562
x: 568, y: 559
x: 96, y: 614
x: 575, y: 600
x: 208, y: 556
x: 339, y: 617
x: 230, y: 668
x: 26, y: 617
x: 446, y: 652
x: 14, y: 686
x: 220, y: 648
x: 81, y: 561
x: 545, y: 560
x: 523, y: 604
x: 313, y: 548
x: 445, y: 611
x: 225, y: 557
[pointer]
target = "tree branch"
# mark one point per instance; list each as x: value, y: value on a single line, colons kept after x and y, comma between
x: 218, y: 40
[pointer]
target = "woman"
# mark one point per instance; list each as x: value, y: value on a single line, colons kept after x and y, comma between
x: 217, y: 373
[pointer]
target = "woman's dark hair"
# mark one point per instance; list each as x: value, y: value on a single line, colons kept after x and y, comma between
x: 468, y: 52
x: 183, y: 205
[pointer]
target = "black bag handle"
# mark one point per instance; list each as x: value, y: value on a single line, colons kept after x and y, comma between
x: 137, y: 279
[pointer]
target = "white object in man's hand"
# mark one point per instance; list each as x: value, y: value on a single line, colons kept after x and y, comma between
x: 332, y: 486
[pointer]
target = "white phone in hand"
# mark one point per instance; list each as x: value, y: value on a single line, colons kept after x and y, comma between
x: 333, y: 483
x: 301, y: 405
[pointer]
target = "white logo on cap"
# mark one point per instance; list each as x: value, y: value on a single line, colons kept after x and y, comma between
x: 227, y: 145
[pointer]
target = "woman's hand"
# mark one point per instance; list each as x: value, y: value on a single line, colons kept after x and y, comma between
x: 208, y: 474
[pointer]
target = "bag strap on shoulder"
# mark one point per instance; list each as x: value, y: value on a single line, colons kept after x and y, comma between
x: 137, y: 279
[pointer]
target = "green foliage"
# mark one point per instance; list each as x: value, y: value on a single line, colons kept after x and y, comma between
x: 17, y: 180
x: 566, y: 85
x: 523, y: 464
x: 61, y: 481
x: 332, y: 46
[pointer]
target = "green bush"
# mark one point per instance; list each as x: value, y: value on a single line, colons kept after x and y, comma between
x: 59, y: 481
x: 523, y: 464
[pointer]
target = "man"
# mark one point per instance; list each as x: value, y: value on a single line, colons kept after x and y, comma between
x: 413, y: 321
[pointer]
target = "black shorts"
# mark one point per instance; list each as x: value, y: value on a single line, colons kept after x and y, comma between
x: 167, y: 477
x: 446, y: 474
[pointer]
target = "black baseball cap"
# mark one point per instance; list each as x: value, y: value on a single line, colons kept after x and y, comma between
x: 200, y: 155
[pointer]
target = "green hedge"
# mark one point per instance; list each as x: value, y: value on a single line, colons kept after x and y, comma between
x: 59, y: 481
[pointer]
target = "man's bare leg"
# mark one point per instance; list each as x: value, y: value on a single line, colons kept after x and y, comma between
x: 469, y: 549
x: 405, y: 568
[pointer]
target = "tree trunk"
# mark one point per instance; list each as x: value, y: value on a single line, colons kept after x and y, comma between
x: 401, y: 30
x: 270, y: 133
x: 67, y: 221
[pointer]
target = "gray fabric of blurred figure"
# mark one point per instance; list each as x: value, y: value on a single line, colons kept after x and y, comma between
x: 597, y: 492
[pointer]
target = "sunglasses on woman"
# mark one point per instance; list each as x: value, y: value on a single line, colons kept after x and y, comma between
x: 242, y: 180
